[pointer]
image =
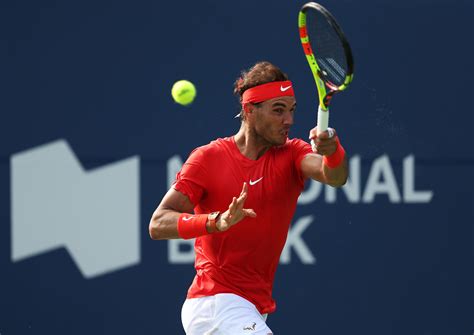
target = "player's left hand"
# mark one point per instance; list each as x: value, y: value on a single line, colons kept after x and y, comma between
x: 323, y: 143
x: 236, y: 211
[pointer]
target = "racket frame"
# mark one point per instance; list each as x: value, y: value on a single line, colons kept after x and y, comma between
x: 326, y: 89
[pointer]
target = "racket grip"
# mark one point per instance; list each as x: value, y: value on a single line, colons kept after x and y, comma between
x: 323, y: 119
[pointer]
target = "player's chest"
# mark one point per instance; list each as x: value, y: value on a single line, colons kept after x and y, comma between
x: 268, y: 181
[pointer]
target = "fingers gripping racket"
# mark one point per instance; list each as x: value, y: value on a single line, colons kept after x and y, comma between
x: 328, y: 54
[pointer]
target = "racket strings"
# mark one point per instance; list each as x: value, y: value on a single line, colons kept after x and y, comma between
x: 327, y: 46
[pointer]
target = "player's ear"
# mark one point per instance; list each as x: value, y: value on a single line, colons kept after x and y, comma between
x: 248, y: 108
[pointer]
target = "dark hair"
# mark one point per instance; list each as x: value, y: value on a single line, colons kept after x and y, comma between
x: 260, y: 73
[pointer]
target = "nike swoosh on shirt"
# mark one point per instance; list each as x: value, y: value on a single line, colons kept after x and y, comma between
x: 187, y: 218
x: 283, y: 89
x: 253, y: 182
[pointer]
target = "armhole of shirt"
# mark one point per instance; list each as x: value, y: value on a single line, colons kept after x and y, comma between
x: 298, y: 161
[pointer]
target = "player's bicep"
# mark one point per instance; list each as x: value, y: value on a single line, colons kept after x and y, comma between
x: 311, y: 167
x: 176, y: 201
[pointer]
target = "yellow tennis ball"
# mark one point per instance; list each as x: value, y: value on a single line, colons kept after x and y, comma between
x: 183, y: 92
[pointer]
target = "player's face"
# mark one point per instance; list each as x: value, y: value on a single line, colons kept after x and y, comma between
x: 273, y: 119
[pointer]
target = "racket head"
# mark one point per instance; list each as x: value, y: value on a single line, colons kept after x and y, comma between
x: 327, y: 50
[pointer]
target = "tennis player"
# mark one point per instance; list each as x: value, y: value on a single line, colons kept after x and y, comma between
x: 237, y: 196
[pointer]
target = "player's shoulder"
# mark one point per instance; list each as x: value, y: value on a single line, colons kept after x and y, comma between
x: 293, y: 148
x: 294, y: 143
x: 214, y: 147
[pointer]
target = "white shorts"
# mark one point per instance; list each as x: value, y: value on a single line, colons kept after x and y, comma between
x: 222, y: 314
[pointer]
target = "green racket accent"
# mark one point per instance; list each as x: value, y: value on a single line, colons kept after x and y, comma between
x: 312, y: 60
x: 324, y: 95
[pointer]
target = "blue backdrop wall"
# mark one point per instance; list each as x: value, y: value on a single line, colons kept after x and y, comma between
x: 391, y: 253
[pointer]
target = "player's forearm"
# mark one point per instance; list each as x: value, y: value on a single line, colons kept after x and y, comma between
x: 164, y: 224
x: 336, y: 176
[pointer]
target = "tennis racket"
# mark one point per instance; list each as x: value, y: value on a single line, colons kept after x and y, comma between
x: 328, y: 54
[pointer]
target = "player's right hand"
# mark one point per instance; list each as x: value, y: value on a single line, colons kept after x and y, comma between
x: 323, y: 143
x: 236, y: 211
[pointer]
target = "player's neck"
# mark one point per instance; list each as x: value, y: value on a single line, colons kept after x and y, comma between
x: 250, y: 145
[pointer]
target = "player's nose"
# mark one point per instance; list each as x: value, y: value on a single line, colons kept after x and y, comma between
x: 288, y: 119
